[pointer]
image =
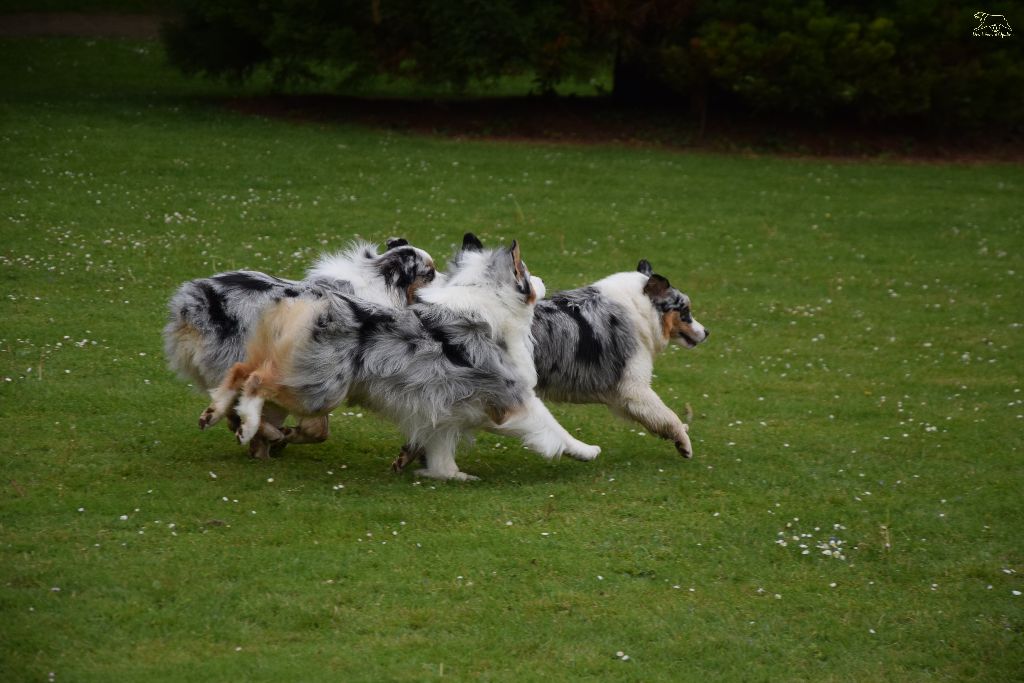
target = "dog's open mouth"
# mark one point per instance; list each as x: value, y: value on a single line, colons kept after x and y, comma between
x: 689, y: 341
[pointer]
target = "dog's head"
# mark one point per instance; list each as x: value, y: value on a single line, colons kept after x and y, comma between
x: 677, y: 322
x: 405, y: 267
x: 502, y: 269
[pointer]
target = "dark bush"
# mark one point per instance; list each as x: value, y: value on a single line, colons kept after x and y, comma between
x: 873, y: 60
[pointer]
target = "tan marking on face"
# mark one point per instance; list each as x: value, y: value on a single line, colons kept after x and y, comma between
x: 670, y: 324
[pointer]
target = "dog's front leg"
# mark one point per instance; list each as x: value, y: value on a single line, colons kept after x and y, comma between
x: 647, y: 408
x: 540, y: 431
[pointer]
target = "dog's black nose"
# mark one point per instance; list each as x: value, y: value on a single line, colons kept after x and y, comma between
x: 707, y: 333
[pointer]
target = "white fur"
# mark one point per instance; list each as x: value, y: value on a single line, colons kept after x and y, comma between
x: 628, y: 290
x: 351, y: 265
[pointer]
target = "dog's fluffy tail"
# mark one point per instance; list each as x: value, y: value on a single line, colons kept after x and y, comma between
x: 183, y: 335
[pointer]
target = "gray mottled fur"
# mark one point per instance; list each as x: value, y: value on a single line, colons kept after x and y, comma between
x: 582, y: 342
x: 211, y: 319
x: 424, y: 366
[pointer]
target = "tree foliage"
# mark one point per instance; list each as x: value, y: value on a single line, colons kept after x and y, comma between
x: 872, y: 59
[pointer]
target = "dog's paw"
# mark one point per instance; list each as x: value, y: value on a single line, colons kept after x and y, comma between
x: 259, y: 448
x: 247, y: 431
x: 583, y: 452
x: 446, y: 476
x: 407, y: 455
x: 684, y: 449
x: 208, y: 418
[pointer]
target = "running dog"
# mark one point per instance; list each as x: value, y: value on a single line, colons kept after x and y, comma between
x: 597, y: 344
x: 457, y: 360
x: 212, y: 319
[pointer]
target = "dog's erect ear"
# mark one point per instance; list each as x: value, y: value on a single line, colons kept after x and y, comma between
x: 644, y: 267
x: 471, y: 243
x: 395, y: 242
x: 656, y: 287
x: 517, y: 260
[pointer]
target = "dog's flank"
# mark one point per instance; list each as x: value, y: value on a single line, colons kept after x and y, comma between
x: 439, y: 369
x: 582, y: 341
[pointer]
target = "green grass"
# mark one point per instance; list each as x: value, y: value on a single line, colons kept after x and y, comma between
x: 864, y: 371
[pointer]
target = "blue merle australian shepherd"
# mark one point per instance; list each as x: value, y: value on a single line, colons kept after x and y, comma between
x: 212, y: 319
x: 597, y: 344
x: 458, y: 359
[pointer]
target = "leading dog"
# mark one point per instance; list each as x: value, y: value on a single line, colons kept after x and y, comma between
x: 457, y: 360
x: 597, y: 344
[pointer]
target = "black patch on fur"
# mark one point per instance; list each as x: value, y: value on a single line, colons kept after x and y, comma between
x: 455, y: 353
x: 395, y: 242
x: 369, y: 321
x: 470, y: 242
x: 589, y: 349
x: 657, y: 287
x: 243, y: 281
x: 398, y: 268
x: 291, y: 292
x: 644, y: 267
x: 224, y: 324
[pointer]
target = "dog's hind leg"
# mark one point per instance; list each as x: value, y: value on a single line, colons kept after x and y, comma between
x: 647, y: 408
x: 250, y: 406
x: 440, y: 451
x: 540, y: 431
x: 270, y: 439
x: 308, y: 430
x: 223, y: 397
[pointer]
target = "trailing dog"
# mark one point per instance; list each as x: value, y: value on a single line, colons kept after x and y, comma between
x: 457, y: 360
x: 212, y: 319
x: 597, y: 344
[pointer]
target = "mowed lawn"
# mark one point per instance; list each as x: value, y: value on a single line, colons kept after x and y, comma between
x: 853, y: 511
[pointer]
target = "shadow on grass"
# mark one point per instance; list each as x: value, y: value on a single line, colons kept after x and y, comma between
x: 604, y: 120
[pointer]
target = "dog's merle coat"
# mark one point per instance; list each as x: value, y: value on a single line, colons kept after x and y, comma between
x: 596, y: 345
x: 212, y: 319
x: 458, y: 361
x: 582, y: 341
